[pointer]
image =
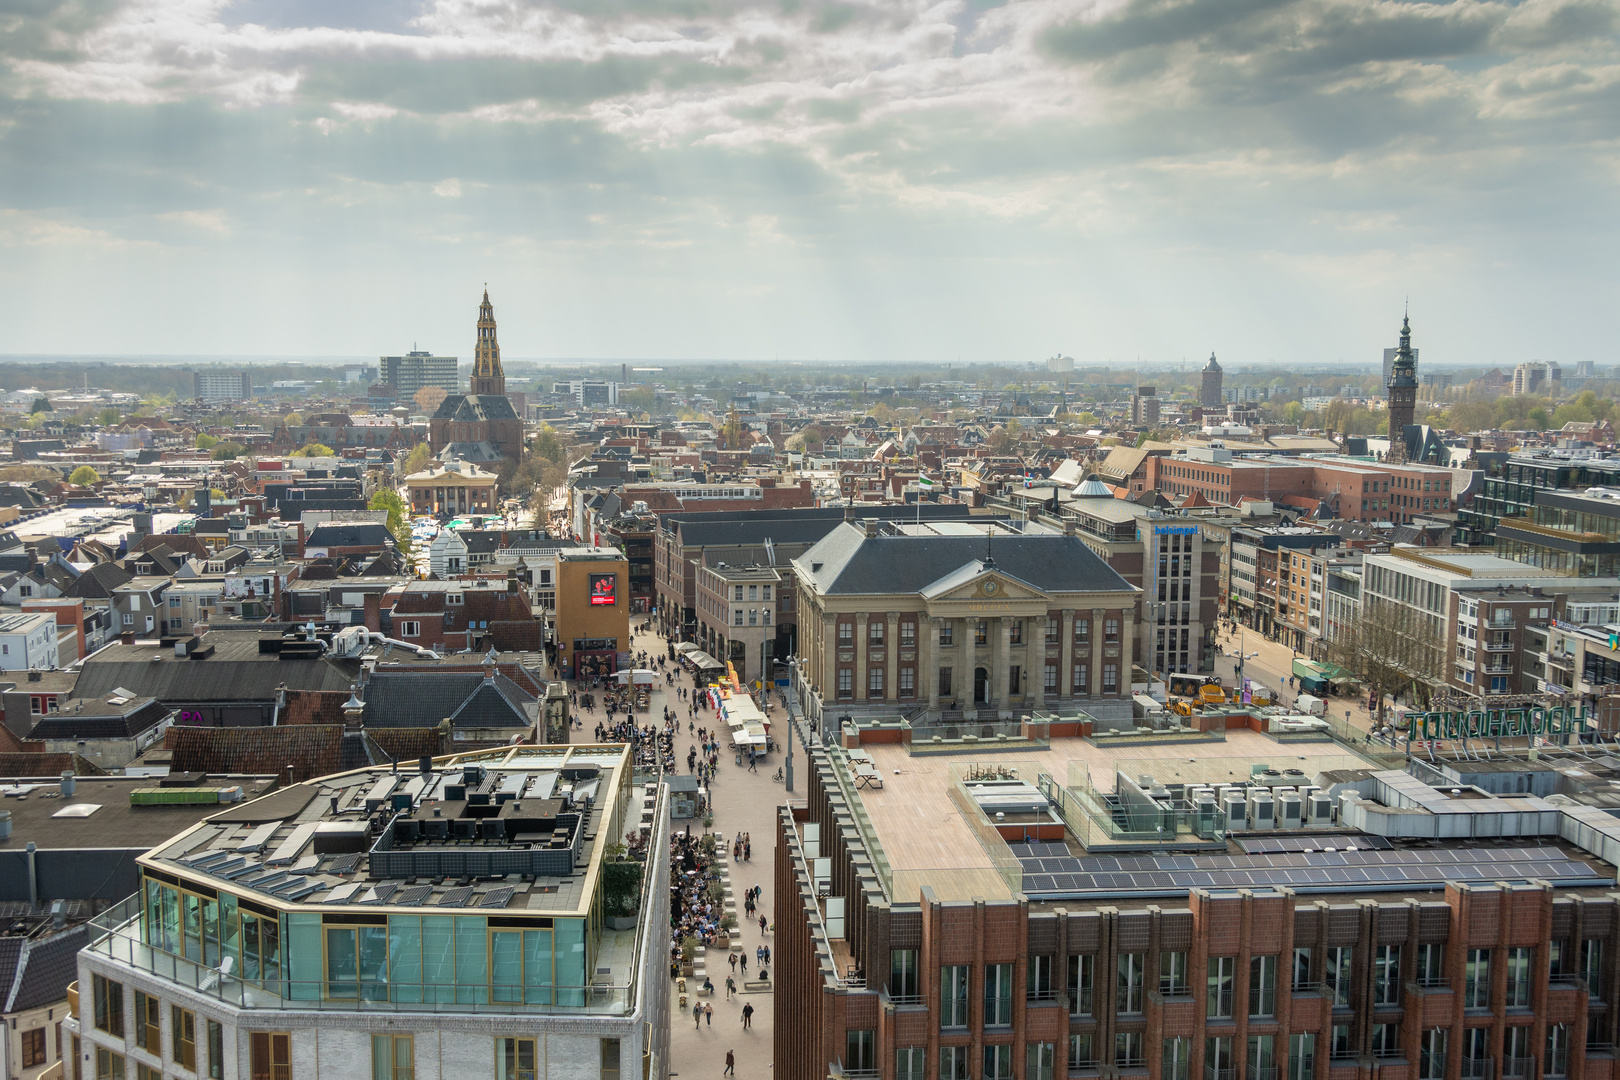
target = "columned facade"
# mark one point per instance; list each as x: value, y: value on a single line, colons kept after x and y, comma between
x: 904, y: 661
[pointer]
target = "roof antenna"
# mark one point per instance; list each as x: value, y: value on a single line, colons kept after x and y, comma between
x: 989, y: 533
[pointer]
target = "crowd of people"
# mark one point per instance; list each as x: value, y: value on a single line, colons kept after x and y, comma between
x: 693, y: 911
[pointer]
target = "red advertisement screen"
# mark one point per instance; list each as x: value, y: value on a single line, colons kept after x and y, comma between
x: 604, y: 589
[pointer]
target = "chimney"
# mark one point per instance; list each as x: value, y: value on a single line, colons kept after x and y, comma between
x: 849, y: 513
x: 127, y: 637
x: 353, y: 711
x: 373, y: 612
x: 871, y: 525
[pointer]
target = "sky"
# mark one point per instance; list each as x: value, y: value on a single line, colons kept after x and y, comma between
x: 860, y: 182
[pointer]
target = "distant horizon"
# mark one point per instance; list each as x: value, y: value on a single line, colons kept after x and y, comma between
x: 264, y: 359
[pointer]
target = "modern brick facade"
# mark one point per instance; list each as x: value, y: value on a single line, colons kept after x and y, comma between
x: 1486, y: 980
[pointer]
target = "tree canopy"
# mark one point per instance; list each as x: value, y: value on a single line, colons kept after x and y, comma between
x: 84, y: 476
x: 314, y: 449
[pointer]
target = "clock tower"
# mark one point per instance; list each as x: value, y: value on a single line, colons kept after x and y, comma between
x: 1403, y: 388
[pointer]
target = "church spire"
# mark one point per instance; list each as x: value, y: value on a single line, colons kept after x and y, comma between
x: 487, y: 374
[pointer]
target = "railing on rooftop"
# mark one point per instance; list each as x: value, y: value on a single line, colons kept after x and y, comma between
x: 844, y: 776
x: 119, y: 934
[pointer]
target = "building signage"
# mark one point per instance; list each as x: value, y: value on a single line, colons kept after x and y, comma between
x: 1175, y: 530
x: 1496, y: 723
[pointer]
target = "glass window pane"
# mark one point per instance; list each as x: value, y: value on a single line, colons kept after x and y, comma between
x: 405, y: 957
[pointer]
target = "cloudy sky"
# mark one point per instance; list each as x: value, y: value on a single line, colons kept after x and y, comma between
x: 869, y: 181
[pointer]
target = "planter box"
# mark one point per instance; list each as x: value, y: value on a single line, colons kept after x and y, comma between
x: 622, y: 922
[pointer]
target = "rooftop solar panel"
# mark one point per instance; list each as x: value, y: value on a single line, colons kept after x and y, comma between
x: 1315, y: 870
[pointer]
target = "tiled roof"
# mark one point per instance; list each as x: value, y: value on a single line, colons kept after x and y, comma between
x: 48, y: 765
x: 311, y: 749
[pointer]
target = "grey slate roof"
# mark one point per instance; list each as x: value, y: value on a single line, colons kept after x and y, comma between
x: 850, y: 562
x: 368, y: 535
x: 98, y: 582
x: 237, y: 671
x: 472, y: 408
x: 423, y: 698
x: 36, y: 973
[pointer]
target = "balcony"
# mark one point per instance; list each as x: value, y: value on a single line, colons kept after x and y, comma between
x: 1475, y: 1068
x: 1262, y: 1072
x: 1518, y: 1068
x: 1213, y: 1073
x: 1498, y: 646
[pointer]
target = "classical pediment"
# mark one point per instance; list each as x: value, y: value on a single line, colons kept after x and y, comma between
x: 978, y: 581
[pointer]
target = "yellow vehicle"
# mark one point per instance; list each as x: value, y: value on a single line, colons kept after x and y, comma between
x: 1183, y: 684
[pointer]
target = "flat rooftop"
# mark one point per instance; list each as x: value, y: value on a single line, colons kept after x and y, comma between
x: 927, y: 839
x: 36, y: 806
x: 517, y: 829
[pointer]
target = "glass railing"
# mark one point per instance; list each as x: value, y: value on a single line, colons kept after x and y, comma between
x: 118, y: 933
x: 124, y: 945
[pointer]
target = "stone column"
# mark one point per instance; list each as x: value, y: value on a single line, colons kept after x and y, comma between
x: 860, y: 656
x: 998, y: 666
x: 1095, y: 689
x: 929, y: 659
x: 1037, y: 648
x: 891, y: 653
x: 1127, y: 648
x: 1066, y: 660
x: 829, y: 656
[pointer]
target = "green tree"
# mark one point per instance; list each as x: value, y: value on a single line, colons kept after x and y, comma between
x: 108, y: 417
x: 40, y: 405
x: 84, y: 476
x: 1472, y: 416
x: 546, y: 443
x: 314, y: 449
x: 206, y: 441
x: 417, y: 460
x: 398, y: 521
x: 227, y: 451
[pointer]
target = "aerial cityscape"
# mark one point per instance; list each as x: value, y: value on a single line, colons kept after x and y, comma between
x: 809, y: 541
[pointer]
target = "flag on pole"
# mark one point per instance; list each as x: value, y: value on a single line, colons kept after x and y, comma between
x: 923, y: 481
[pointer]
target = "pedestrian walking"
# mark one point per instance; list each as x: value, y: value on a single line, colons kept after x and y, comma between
x: 697, y: 1015
x: 742, y: 958
x: 748, y: 851
x: 762, y: 926
x: 708, y: 1014
x: 748, y: 1017
x: 734, y: 963
x: 767, y: 954
x: 731, y: 1064
x: 731, y: 987
x: 759, y: 956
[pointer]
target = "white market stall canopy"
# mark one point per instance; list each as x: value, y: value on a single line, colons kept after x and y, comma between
x: 641, y: 676
x: 740, y: 709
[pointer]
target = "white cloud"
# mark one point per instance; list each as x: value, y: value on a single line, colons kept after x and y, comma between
x: 1068, y: 157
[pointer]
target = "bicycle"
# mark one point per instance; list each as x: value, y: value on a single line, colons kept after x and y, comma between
x: 778, y: 776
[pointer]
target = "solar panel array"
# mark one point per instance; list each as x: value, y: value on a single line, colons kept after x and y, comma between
x: 1280, y: 845
x: 1049, y: 869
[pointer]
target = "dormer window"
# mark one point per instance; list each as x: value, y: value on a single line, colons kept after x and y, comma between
x: 453, y: 599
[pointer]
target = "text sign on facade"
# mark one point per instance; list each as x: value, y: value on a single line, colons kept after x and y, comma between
x: 1496, y: 723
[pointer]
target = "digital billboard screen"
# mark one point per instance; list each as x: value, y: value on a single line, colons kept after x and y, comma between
x: 604, y: 589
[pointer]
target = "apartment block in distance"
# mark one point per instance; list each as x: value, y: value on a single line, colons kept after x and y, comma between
x: 221, y: 385
x: 440, y: 921
x: 1252, y: 906
x: 409, y: 373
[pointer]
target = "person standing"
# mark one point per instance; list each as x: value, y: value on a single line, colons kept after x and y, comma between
x: 748, y: 1016
x: 708, y: 1014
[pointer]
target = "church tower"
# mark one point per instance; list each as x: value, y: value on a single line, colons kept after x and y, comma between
x: 487, y: 376
x: 1403, y: 388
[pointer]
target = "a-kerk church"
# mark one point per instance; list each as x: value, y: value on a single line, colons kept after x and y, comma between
x: 481, y: 426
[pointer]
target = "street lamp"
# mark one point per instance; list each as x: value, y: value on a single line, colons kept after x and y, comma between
x: 787, y: 768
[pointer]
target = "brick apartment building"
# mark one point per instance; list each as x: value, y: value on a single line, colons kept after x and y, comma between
x: 453, y: 616
x: 1348, y: 488
x: 1353, y: 956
